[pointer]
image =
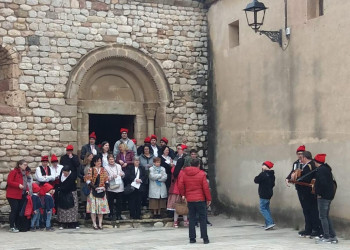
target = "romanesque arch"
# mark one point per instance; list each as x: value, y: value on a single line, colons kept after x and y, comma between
x: 119, y: 79
x: 10, y: 96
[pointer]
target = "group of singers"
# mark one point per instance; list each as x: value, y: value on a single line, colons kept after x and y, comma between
x: 316, y: 187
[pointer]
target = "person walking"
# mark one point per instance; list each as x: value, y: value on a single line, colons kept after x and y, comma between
x: 194, y: 188
x: 266, y: 181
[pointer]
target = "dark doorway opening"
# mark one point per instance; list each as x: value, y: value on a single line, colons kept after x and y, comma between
x: 107, y: 127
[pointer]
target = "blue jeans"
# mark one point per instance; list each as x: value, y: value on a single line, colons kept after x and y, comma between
x: 323, y: 209
x: 200, y: 208
x: 35, y: 219
x: 48, y: 218
x: 265, y: 211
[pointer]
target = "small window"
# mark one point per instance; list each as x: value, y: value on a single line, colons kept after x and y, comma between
x: 315, y: 8
x: 233, y: 34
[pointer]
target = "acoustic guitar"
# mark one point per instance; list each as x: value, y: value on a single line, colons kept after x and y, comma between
x: 311, y: 184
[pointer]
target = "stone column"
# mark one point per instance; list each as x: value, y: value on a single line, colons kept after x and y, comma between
x: 150, y: 115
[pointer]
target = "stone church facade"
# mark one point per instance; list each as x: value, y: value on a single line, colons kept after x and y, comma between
x: 63, y: 61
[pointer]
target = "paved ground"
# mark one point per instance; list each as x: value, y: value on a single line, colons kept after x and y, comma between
x: 225, y: 234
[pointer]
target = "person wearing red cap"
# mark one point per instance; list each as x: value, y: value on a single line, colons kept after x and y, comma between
x: 131, y: 145
x: 90, y: 147
x: 297, y: 164
x: 70, y: 159
x: 163, y: 143
x: 147, y: 141
x: 55, y: 169
x: 325, y: 188
x: 43, y: 172
x: 154, y: 146
x: 34, y: 225
x: 308, y: 200
x: 48, y: 205
x: 266, y: 181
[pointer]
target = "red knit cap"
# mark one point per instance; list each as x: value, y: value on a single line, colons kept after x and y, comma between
x: 54, y: 158
x: 45, y: 158
x: 268, y: 164
x: 320, y: 158
x: 92, y: 135
x: 122, y: 130
x: 69, y: 148
x: 147, y: 140
x: 36, y: 188
x: 134, y: 141
x: 301, y: 148
x: 164, y: 139
x: 46, y: 187
x: 153, y: 137
x: 183, y: 146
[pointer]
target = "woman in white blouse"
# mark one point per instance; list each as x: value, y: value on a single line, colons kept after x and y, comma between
x: 104, y: 153
x: 115, y: 189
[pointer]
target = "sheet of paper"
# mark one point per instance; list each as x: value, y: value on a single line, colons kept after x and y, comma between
x: 136, y: 185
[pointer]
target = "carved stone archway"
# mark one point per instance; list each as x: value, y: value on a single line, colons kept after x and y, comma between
x: 121, y: 80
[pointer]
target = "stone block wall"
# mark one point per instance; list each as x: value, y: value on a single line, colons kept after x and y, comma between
x: 49, y: 37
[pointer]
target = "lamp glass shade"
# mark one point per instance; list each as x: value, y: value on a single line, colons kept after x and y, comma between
x: 255, y: 13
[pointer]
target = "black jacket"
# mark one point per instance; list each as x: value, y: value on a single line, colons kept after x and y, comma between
x: 306, y: 169
x: 130, y: 176
x: 167, y: 170
x: 87, y: 149
x: 324, y: 185
x: 266, y: 181
x: 73, y: 162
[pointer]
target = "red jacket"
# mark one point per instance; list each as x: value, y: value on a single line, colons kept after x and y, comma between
x: 13, y: 180
x: 193, y: 185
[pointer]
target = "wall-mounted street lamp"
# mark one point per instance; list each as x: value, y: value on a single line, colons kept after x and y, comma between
x: 255, y: 13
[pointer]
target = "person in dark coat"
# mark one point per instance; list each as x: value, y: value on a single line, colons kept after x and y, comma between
x: 297, y: 164
x: 325, y: 187
x: 70, y: 159
x: 308, y: 200
x: 266, y: 181
x: 163, y: 143
x: 167, y: 163
x: 147, y: 142
x: 156, y: 149
x: 68, y: 199
x: 91, y: 147
x: 135, y: 175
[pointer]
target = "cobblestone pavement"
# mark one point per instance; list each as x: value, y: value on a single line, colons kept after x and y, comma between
x: 225, y: 234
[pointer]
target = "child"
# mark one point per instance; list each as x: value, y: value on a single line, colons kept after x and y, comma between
x: 157, y: 188
x: 266, y: 181
x: 36, y: 208
x: 49, y: 204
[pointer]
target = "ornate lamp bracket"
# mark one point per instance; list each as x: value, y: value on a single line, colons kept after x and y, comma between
x: 274, y: 36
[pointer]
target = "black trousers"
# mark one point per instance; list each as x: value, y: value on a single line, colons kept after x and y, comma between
x: 117, y: 197
x: 200, y: 208
x: 135, y: 200
x: 308, y: 202
x: 16, y: 206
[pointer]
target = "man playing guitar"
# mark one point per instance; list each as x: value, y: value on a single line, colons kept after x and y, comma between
x: 307, y: 200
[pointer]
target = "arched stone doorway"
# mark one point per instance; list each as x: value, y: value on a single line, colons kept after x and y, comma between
x: 119, y: 80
